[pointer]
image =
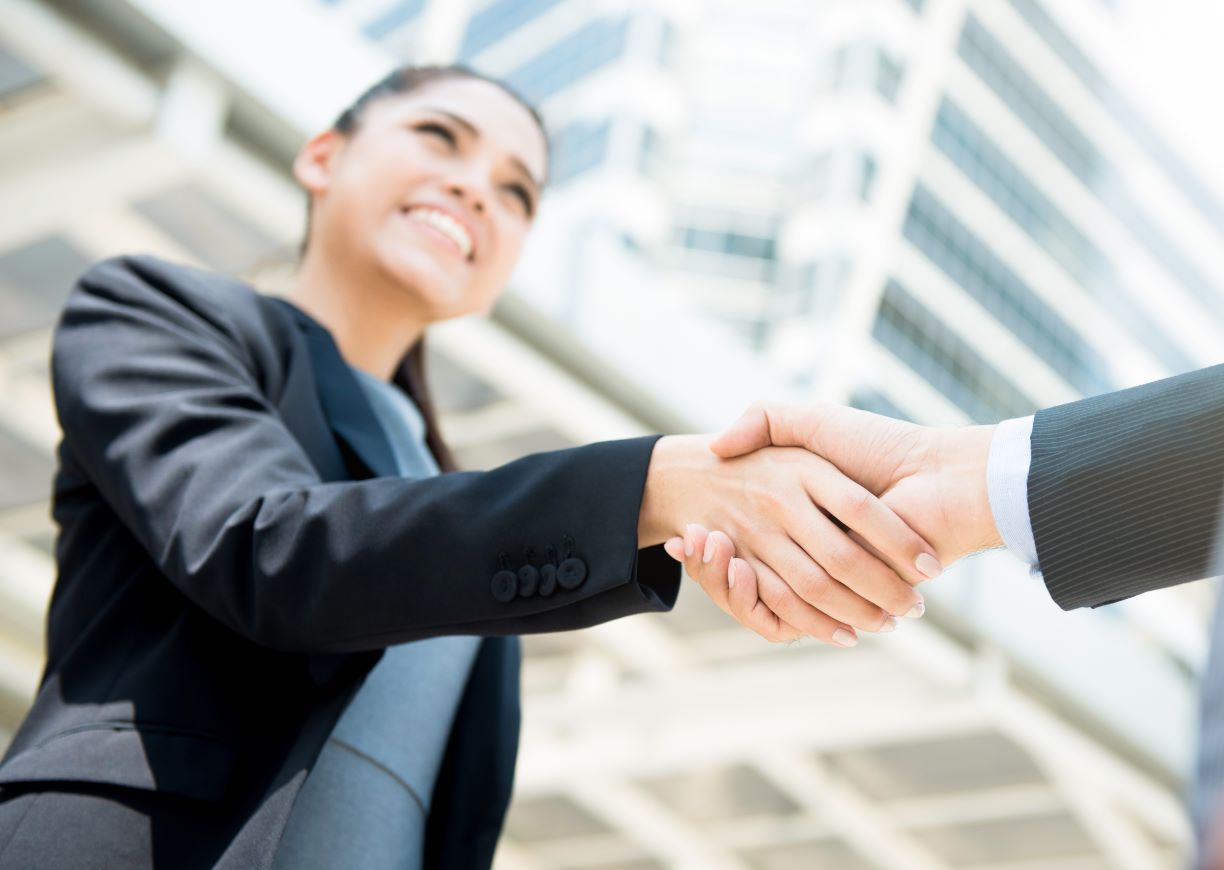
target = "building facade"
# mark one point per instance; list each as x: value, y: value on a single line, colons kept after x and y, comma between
x: 944, y: 210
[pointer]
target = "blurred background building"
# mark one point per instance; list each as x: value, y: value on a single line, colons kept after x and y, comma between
x: 949, y: 211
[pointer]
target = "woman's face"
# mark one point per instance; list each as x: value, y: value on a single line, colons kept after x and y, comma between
x: 432, y: 194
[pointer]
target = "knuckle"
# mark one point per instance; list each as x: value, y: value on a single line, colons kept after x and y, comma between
x: 772, y: 594
x: 902, y: 600
x: 712, y: 588
x: 769, y: 500
x: 857, y: 503
x: 771, y: 634
x: 840, y: 558
x: 817, y: 587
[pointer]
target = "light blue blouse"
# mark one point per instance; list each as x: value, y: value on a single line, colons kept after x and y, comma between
x: 365, y: 802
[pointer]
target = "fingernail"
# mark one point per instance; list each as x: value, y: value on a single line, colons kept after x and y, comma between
x: 709, y: 549
x: 688, y: 538
x: 890, y: 624
x: 731, y: 575
x: 674, y: 547
x: 841, y: 637
x: 916, y: 611
x: 928, y: 566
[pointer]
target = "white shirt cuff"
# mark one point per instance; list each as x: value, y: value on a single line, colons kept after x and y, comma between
x: 1007, y: 486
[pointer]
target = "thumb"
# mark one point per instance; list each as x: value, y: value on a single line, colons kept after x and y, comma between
x: 750, y: 432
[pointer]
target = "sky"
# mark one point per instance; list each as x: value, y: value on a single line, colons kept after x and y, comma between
x: 1174, y: 66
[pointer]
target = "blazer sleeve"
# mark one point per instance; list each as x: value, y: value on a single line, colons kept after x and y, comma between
x: 1125, y: 489
x: 163, y: 414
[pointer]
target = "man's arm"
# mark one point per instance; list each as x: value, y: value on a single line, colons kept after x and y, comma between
x: 1123, y: 491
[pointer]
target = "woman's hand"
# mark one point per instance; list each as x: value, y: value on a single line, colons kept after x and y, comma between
x: 809, y: 571
x: 709, y: 558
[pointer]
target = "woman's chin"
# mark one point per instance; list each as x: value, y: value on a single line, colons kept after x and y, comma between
x: 434, y: 295
x: 423, y: 276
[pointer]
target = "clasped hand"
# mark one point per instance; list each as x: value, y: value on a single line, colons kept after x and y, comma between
x: 823, y: 518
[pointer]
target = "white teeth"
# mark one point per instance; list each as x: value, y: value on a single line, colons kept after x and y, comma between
x: 445, y: 224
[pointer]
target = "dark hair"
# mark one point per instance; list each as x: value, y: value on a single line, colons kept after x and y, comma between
x: 406, y: 79
x: 410, y: 373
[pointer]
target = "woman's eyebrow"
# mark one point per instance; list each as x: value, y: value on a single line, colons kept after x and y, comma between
x: 458, y: 119
x: 474, y: 132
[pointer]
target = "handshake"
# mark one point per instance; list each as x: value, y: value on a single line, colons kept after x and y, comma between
x: 819, y: 519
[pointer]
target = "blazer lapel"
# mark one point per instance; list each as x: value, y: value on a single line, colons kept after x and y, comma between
x: 343, y: 399
x: 352, y: 421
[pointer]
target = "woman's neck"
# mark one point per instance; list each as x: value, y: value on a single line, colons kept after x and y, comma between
x: 372, y: 332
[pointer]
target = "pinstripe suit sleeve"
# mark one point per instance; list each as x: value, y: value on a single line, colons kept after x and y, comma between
x: 1125, y: 489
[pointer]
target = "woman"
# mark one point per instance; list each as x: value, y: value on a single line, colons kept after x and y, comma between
x: 251, y: 513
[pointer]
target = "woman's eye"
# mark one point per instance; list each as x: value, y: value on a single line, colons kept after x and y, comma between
x: 524, y: 197
x: 437, y: 130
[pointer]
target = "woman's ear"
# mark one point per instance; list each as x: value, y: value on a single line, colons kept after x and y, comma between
x: 312, y: 167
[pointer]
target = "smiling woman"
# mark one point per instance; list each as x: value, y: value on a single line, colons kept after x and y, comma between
x: 433, y: 190
x: 283, y: 628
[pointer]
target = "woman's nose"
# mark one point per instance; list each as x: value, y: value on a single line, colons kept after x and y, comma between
x: 468, y: 194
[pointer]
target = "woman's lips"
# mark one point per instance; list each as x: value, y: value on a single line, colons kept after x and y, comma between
x: 439, y: 223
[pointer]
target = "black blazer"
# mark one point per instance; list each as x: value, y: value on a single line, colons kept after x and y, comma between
x: 231, y: 566
x: 1125, y: 489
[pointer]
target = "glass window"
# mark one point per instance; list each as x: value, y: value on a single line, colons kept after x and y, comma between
x: 668, y: 39
x: 35, y: 280
x: 1121, y: 108
x: 990, y: 60
x: 924, y: 343
x: 388, y: 22
x: 576, y: 56
x: 858, y: 67
x: 845, y: 173
x: 966, y: 145
x: 888, y: 76
x: 725, y: 242
x: 1004, y: 75
x: 821, y: 283
x: 740, y: 245
x: 498, y: 19
x: 576, y: 149
x: 868, y: 174
x: 965, y: 259
x: 867, y: 399
x: 818, y: 180
x: 651, y: 154
x: 16, y: 77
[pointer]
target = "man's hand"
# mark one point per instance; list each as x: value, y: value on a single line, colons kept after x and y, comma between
x: 934, y: 479
x: 827, y: 555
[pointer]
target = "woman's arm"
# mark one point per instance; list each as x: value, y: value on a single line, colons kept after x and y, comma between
x: 162, y: 412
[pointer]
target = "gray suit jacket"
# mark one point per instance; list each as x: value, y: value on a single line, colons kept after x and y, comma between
x: 1124, y: 495
x: 1208, y: 787
x: 1124, y: 489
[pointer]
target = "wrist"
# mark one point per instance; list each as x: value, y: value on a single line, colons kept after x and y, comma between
x: 675, y: 463
x: 963, y: 456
